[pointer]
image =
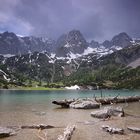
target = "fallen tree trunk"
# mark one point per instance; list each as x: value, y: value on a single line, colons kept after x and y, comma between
x: 95, y: 102
x: 134, y: 129
x: 85, y: 104
x: 105, y: 101
x: 63, y: 103
x: 41, y: 126
x: 68, y: 132
x: 112, y: 130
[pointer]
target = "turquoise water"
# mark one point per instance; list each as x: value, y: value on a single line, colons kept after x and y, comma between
x: 11, y: 98
x: 35, y: 107
x: 36, y: 96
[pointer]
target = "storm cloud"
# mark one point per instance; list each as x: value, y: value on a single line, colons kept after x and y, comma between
x: 96, y: 19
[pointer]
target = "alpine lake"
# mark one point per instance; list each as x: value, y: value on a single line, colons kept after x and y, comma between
x: 23, y: 107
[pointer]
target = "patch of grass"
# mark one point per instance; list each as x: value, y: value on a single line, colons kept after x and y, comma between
x: 38, y: 88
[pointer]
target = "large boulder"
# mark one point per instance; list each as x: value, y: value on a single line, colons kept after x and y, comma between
x: 85, y: 104
x: 116, y: 111
x: 101, y: 114
x: 108, y: 112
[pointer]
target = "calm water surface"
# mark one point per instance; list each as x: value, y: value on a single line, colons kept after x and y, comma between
x: 35, y: 107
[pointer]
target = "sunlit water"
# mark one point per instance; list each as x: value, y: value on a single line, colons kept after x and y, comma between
x: 35, y: 107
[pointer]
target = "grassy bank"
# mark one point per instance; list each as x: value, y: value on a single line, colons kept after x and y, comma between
x: 31, y: 88
x: 38, y: 88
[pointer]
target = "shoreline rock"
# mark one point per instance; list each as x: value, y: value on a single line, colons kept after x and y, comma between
x: 84, y: 104
x: 107, y: 112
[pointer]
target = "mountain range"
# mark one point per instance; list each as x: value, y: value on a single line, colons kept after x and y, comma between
x: 72, y: 44
x: 70, y: 60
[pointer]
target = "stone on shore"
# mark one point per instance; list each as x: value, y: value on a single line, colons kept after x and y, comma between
x: 84, y: 104
x: 108, y: 112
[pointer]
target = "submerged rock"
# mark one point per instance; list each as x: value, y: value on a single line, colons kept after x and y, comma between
x: 108, y: 112
x: 84, y: 104
x: 6, y: 132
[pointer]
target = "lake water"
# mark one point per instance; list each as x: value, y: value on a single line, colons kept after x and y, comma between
x: 35, y: 107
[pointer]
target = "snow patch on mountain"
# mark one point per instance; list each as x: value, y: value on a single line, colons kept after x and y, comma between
x: 52, y: 55
x: 5, y: 75
x: 67, y: 45
x: 116, y: 47
x: 7, y: 79
x: 7, y: 55
x: 88, y: 51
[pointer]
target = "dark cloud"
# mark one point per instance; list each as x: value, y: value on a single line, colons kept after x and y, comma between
x: 96, y: 19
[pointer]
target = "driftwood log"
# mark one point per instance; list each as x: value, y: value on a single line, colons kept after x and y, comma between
x: 105, y: 101
x: 41, y: 126
x: 63, y: 103
x: 95, y: 102
x: 68, y: 132
x: 112, y: 130
x: 134, y: 129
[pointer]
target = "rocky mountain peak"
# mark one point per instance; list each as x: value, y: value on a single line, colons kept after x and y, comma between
x: 72, y: 42
x: 8, y: 37
x: 10, y: 43
x: 107, y: 44
x: 94, y: 44
x: 75, y: 38
x: 10, y: 34
x: 122, y: 39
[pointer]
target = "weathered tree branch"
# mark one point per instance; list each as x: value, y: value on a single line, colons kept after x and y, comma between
x: 68, y: 132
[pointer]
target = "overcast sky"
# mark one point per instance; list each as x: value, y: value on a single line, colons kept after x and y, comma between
x: 96, y: 19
